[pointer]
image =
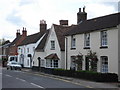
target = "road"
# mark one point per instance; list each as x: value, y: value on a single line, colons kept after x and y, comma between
x: 20, y: 79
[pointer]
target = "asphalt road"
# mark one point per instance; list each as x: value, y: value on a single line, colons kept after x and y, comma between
x: 20, y: 79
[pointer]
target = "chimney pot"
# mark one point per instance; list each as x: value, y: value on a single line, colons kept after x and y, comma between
x: 79, y: 9
x: 84, y: 9
x: 18, y: 33
x: 24, y: 32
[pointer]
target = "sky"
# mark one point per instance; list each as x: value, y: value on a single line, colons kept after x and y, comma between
x: 16, y: 14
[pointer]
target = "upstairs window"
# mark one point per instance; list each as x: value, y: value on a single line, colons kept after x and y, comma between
x: 52, y: 45
x: 28, y: 50
x: 104, y: 41
x: 87, y: 40
x: 73, y: 42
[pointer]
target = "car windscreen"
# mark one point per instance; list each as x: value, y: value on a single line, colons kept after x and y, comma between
x: 15, y: 63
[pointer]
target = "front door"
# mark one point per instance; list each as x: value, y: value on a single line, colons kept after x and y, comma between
x: 86, y: 63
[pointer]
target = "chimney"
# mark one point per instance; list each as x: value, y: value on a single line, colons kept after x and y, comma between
x: 81, y: 16
x: 64, y: 22
x: 24, y: 32
x: 18, y: 33
x: 43, y: 26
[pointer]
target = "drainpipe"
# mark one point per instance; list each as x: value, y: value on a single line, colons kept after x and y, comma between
x: 66, y: 51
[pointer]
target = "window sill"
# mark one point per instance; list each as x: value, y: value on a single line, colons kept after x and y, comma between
x: 86, y: 48
x: 52, y: 49
x: 103, y: 47
x: 73, y: 48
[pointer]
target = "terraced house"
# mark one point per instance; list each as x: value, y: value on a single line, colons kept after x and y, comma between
x: 94, y: 43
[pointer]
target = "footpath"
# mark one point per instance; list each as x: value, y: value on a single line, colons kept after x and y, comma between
x: 90, y: 84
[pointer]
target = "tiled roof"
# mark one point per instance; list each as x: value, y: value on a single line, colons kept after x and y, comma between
x: 60, y: 31
x: 41, y: 45
x: 52, y: 56
x: 15, y: 40
x: 31, y: 38
x: 95, y: 24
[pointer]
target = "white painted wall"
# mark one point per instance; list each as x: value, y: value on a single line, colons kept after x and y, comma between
x: 25, y: 52
x: 111, y: 51
x: 48, y: 51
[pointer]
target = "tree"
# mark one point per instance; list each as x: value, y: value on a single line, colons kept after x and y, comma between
x: 78, y: 60
x: 2, y: 41
x: 93, y: 60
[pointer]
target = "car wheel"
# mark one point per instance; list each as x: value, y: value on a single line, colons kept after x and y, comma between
x: 20, y: 69
x: 11, y: 68
x: 7, y: 68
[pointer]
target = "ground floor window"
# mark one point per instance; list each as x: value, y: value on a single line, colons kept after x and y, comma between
x: 52, y: 63
x: 104, y: 64
x: 72, y: 65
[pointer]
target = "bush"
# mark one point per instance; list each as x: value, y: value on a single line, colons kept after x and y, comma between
x: 88, y: 75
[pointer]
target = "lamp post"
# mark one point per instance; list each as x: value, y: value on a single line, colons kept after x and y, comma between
x: 39, y: 63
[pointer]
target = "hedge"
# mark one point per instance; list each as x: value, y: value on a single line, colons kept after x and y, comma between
x: 87, y: 75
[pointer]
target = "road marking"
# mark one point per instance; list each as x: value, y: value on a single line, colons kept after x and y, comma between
x: 1, y: 73
x: 63, y: 80
x: 36, y: 85
x: 21, y: 79
x: 8, y: 75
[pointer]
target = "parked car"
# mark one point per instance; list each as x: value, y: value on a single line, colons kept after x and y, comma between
x: 13, y: 65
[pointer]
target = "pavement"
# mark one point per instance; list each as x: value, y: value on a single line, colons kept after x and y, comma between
x: 89, y: 84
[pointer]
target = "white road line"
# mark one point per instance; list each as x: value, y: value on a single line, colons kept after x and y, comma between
x: 21, y: 79
x: 36, y: 85
x: 8, y: 75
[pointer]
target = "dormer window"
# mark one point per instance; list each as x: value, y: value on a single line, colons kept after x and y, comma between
x: 87, y: 40
x: 73, y: 42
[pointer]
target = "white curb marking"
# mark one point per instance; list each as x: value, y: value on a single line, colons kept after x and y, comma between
x: 8, y: 75
x: 36, y: 85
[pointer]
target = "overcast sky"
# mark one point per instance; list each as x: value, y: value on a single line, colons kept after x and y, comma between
x: 16, y: 14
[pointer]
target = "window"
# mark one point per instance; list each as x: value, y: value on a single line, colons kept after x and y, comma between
x: 24, y: 49
x: 73, y: 42
x: 87, y: 40
x: 104, y: 64
x: 52, y: 45
x: 28, y: 50
x: 21, y: 50
x: 104, y: 38
x: 55, y: 63
x: 52, y: 63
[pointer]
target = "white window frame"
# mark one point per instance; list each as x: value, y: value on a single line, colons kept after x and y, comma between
x: 104, y: 38
x: 52, y: 45
x: 104, y: 64
x: 55, y: 63
x: 50, y: 63
x: 87, y: 40
x: 73, y: 42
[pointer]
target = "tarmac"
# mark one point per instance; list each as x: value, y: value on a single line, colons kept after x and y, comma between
x: 89, y: 84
